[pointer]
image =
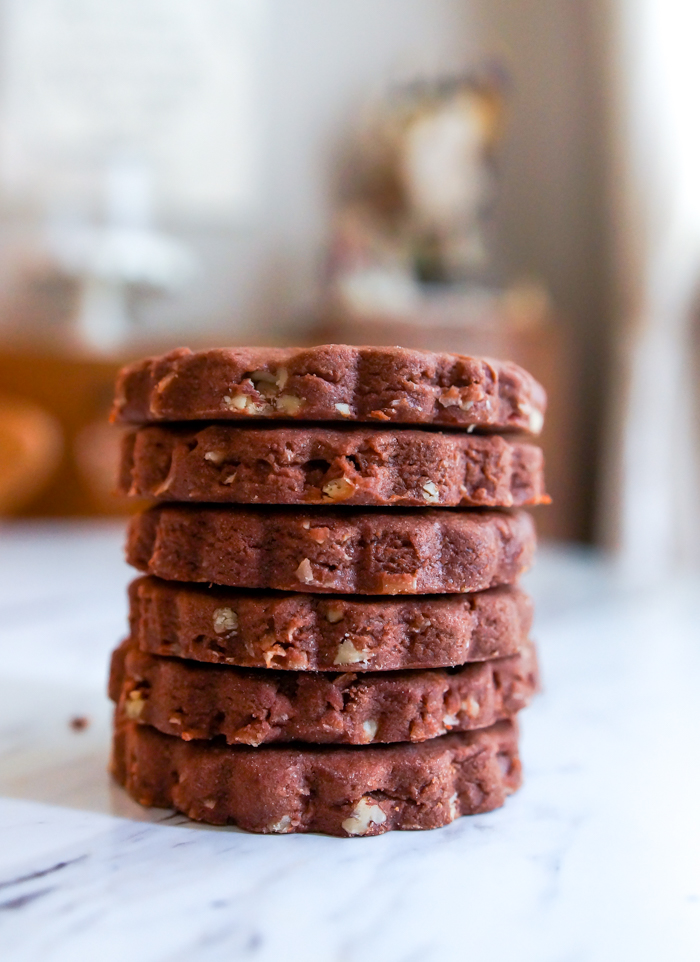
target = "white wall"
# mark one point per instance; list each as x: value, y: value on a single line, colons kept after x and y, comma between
x: 327, y: 58
x: 324, y: 59
x: 552, y: 206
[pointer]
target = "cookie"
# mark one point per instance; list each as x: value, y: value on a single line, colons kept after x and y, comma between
x: 331, y: 383
x: 250, y: 464
x: 249, y: 706
x: 345, y: 791
x: 326, y: 633
x: 329, y: 550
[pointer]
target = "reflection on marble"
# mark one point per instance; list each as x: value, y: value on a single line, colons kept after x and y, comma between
x: 597, y: 859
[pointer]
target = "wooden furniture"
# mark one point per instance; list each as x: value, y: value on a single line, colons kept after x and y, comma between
x: 74, y: 395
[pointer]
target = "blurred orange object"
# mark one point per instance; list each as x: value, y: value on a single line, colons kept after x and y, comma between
x: 75, y: 393
x: 31, y: 443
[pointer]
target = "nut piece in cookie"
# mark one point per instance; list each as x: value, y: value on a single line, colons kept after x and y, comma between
x: 366, y: 814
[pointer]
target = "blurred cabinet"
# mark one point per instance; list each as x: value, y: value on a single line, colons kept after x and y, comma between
x: 77, y: 393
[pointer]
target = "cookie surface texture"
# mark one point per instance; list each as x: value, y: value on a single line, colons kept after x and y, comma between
x: 333, y: 550
x: 292, y: 465
x: 247, y: 706
x: 303, y: 632
x: 346, y: 791
x: 331, y: 382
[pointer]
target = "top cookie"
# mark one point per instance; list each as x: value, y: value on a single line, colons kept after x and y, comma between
x: 331, y: 383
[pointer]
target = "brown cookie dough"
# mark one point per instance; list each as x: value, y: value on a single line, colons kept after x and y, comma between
x: 325, y: 550
x: 315, y: 465
x: 333, y: 382
x: 248, y: 706
x: 326, y: 633
x: 353, y: 790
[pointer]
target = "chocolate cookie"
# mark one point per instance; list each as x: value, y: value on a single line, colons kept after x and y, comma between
x: 325, y: 550
x: 248, y: 706
x: 344, y: 791
x: 333, y: 382
x: 326, y: 633
x: 314, y: 465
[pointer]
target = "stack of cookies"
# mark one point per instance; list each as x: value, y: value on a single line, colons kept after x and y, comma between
x: 329, y: 635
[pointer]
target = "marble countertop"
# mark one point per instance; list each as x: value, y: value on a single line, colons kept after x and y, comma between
x: 596, y: 859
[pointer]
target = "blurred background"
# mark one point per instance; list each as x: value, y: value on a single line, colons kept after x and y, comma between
x: 516, y: 178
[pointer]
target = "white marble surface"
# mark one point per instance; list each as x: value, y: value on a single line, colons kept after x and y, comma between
x: 596, y: 859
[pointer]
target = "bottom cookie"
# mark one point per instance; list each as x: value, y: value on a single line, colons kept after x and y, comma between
x: 353, y: 790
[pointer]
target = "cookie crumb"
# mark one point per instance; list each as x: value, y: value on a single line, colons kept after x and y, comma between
x: 225, y: 621
x: 280, y: 827
x: 370, y: 729
x: 431, y: 492
x: 347, y: 654
x: 289, y: 404
x: 340, y: 489
x: 366, y: 814
x: 304, y: 572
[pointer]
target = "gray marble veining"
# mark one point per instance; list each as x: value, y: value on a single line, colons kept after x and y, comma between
x: 596, y: 859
